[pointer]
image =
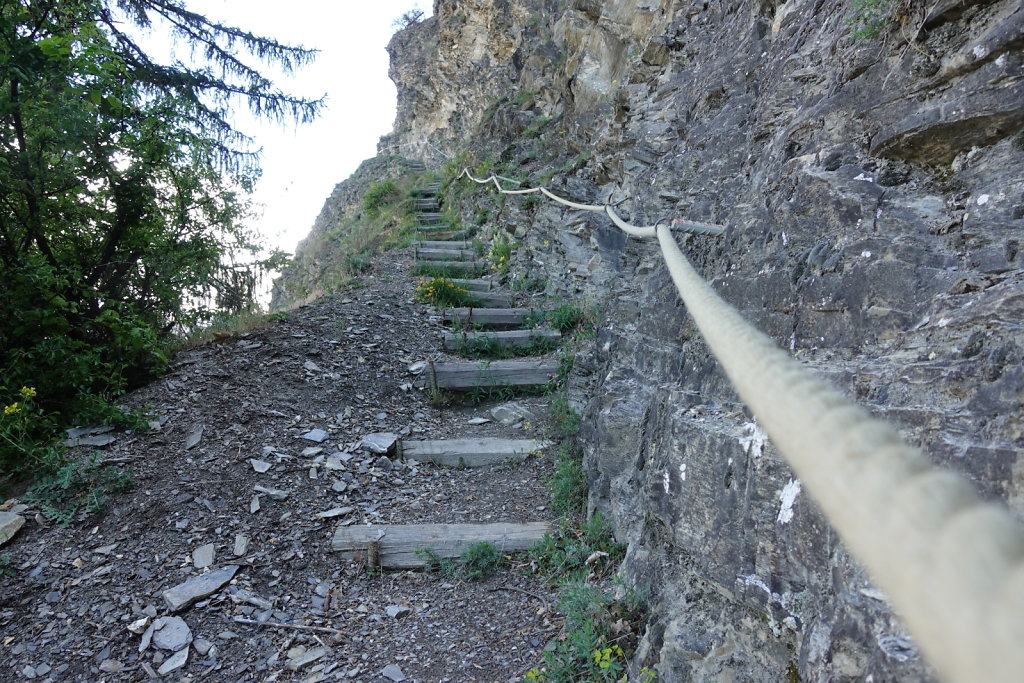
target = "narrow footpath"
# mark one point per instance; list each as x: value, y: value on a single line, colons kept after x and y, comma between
x: 276, y: 507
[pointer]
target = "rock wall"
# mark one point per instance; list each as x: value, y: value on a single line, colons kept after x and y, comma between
x: 874, y: 194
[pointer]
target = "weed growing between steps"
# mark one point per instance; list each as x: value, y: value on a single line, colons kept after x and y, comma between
x: 491, y: 347
x: 450, y: 272
x: 441, y: 292
x: 477, y: 562
x: 569, y: 319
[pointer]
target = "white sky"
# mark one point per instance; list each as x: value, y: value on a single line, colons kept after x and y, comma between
x: 302, y: 165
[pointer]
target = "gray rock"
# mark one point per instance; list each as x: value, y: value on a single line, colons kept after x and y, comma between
x: 241, y: 545
x: 195, y: 589
x: 202, y: 557
x: 194, y: 437
x: 306, y: 658
x: 511, y: 413
x: 111, y: 666
x: 312, y: 367
x: 254, y: 505
x: 174, y: 662
x: 335, y: 512
x: 315, y: 435
x: 398, y: 611
x: 310, y: 451
x: 171, y: 633
x: 202, y: 646
x: 10, y: 523
x: 260, y: 466
x: 276, y: 494
x: 393, y: 672
x: 379, y: 442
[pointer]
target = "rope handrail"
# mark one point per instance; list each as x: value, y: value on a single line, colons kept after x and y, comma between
x: 952, y: 564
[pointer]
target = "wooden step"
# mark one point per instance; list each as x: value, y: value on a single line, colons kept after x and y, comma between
x: 433, y: 228
x: 530, y: 372
x: 425, y: 204
x: 444, y: 254
x: 475, y: 285
x: 430, y: 217
x: 455, y: 265
x: 491, y: 299
x: 442, y: 244
x: 454, y: 341
x: 441, y: 234
x: 488, y: 318
x: 428, y: 191
x: 471, y: 452
x: 394, y: 546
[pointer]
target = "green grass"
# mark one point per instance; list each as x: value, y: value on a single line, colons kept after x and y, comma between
x: 568, y: 482
x: 449, y: 272
x: 567, y: 420
x: 444, y: 293
x: 564, y: 553
x: 869, y: 17
x: 477, y: 562
x: 491, y: 347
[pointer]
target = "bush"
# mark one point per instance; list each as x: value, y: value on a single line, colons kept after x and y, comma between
x: 380, y: 195
x: 442, y: 292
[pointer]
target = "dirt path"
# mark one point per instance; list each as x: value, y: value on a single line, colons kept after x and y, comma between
x: 80, y: 600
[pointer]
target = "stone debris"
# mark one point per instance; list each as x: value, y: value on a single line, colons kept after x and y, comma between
x: 303, y: 657
x: 335, y: 512
x: 379, y: 442
x: 194, y: 437
x: 174, y: 662
x: 202, y: 557
x: 241, y: 545
x: 170, y: 633
x: 312, y: 367
x: 315, y: 435
x: 260, y: 466
x: 197, y: 588
x: 398, y: 611
x: 276, y: 494
x: 511, y: 413
x: 10, y: 523
x: 111, y: 666
x: 477, y: 421
x: 393, y: 672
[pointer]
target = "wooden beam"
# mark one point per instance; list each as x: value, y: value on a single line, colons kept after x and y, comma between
x: 476, y: 285
x: 444, y: 254
x: 442, y: 234
x: 397, y: 544
x: 454, y: 341
x: 489, y: 318
x: 457, y: 265
x: 492, y: 299
x: 442, y: 244
x: 471, y: 452
x: 488, y: 374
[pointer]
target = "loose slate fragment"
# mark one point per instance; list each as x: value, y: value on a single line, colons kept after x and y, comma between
x: 174, y: 662
x: 10, y: 523
x: 171, y: 633
x: 393, y: 672
x: 316, y: 435
x: 195, y: 589
x: 335, y: 512
x: 380, y: 442
x: 312, y: 367
x: 260, y: 466
x: 202, y: 557
x: 194, y: 438
x: 307, y: 657
x: 276, y: 494
x: 241, y: 545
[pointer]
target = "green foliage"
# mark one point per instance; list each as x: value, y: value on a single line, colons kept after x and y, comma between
x: 450, y: 272
x: 380, y: 195
x: 568, y: 483
x: 567, y: 420
x: 123, y: 192
x: 569, y: 319
x: 527, y: 284
x: 598, y: 638
x: 478, y: 561
x: 443, y: 293
x: 77, y: 489
x: 535, y: 128
x: 578, y: 550
x: 6, y: 568
x: 487, y: 346
x: 869, y: 17
x: 500, y: 254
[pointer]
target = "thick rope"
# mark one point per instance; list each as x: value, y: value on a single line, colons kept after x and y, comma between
x: 952, y: 564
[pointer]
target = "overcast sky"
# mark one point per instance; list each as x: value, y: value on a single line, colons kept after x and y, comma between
x: 302, y: 165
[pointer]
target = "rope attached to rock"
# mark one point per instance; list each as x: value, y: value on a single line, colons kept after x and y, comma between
x: 952, y: 565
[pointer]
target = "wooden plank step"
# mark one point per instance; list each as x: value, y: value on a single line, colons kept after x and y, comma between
x: 427, y: 191
x: 425, y: 204
x: 444, y: 254
x: 430, y: 217
x: 442, y: 244
x: 453, y: 341
x: 442, y: 234
x: 475, y: 285
x: 492, y: 299
x: 488, y: 318
x: 471, y: 452
x: 530, y: 372
x: 394, y: 546
x: 455, y: 265
x: 440, y: 227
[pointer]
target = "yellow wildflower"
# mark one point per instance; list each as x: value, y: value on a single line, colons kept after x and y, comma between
x: 28, y: 392
x: 13, y: 408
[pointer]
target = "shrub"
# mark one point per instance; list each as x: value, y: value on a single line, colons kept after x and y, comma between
x: 379, y: 195
x: 442, y: 292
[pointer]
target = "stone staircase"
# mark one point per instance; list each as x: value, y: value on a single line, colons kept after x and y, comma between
x: 495, y: 327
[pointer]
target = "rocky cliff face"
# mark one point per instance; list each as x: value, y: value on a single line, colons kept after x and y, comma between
x: 874, y: 194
